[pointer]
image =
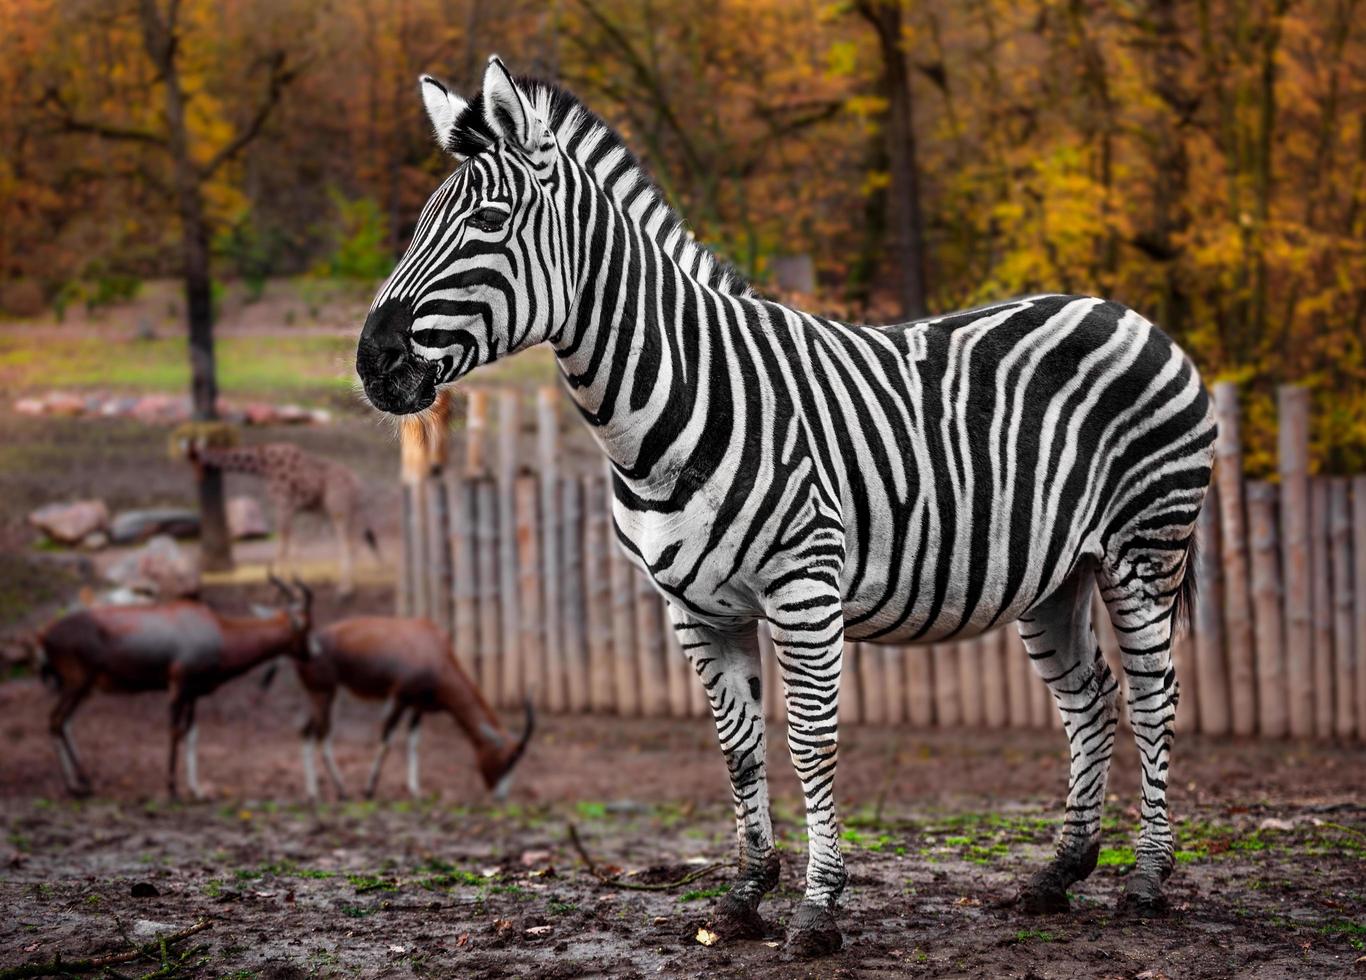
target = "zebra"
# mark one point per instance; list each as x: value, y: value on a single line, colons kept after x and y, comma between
x: 906, y: 484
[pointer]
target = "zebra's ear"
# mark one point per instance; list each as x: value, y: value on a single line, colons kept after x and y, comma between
x: 443, y: 108
x: 509, y: 113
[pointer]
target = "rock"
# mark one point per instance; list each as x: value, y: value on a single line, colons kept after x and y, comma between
x: 60, y: 403
x: 29, y: 406
x: 293, y: 415
x: 69, y: 523
x: 158, y: 568
x: 320, y: 416
x: 143, y: 889
x: 132, y: 526
x: 259, y: 413
x: 95, y: 541
x: 246, y: 519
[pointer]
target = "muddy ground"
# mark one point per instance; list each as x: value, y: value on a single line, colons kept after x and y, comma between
x: 940, y: 827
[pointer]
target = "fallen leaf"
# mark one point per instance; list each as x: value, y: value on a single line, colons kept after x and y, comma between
x: 534, y: 857
x: 772, y: 945
x: 463, y: 938
x: 967, y: 900
x: 706, y: 937
x: 398, y: 949
x: 539, y: 930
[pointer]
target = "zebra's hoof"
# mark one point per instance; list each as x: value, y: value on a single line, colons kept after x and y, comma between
x: 735, y: 918
x: 1143, y: 896
x: 1044, y: 894
x: 812, y: 932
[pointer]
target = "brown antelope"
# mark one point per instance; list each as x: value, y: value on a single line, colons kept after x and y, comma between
x: 408, y: 663
x: 183, y: 647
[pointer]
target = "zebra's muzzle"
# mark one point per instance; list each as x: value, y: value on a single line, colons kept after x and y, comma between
x: 396, y: 380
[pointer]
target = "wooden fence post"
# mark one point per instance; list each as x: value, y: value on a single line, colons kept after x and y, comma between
x: 948, y: 706
x: 894, y: 684
x: 476, y: 432
x: 874, y: 702
x: 466, y: 636
x: 486, y: 593
x: 994, y: 681
x: 548, y: 459
x: 678, y: 673
x: 650, y: 625
x: 919, y: 685
x: 1293, y: 445
x: 574, y: 647
x: 969, y: 681
x: 1019, y: 675
x: 1233, y: 540
x: 627, y: 657
x: 1210, y: 676
x: 1266, y: 603
x: 1359, y: 604
x: 597, y: 573
x: 1345, y: 664
x: 851, y: 693
x: 529, y: 571
x: 441, y: 567
x: 1042, y: 710
x: 510, y: 654
x: 1321, y: 586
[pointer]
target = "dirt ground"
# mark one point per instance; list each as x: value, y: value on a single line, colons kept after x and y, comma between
x: 940, y: 828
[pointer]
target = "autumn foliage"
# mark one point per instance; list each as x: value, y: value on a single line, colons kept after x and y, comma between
x: 1202, y: 161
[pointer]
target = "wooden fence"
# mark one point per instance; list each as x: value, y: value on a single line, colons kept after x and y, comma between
x: 519, y: 564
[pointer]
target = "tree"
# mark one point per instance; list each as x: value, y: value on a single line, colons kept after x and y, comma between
x: 162, y: 36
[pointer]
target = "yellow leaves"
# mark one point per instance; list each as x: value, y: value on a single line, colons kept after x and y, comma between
x: 841, y: 58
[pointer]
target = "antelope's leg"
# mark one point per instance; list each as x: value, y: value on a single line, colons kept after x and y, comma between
x: 806, y: 619
x: 59, y: 726
x: 181, y: 715
x: 728, y: 665
x: 393, y: 712
x: 414, y: 730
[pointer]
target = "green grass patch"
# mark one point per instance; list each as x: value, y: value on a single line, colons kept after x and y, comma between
x: 560, y: 908
x: 698, y: 894
x: 1034, y: 935
x: 1115, y: 857
x: 371, y: 883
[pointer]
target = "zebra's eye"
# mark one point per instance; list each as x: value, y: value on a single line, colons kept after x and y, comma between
x: 489, y: 219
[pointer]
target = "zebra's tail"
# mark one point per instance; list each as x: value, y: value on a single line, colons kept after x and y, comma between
x: 1183, y: 606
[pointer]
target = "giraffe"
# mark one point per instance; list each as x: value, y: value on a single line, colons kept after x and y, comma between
x: 298, y: 481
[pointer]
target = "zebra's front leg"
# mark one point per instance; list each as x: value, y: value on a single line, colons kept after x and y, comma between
x: 728, y: 664
x: 807, y: 624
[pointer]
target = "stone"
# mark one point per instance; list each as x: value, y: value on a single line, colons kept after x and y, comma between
x: 61, y: 403
x: 246, y: 519
x: 132, y: 526
x: 29, y: 406
x: 95, y: 541
x: 160, y: 568
x: 69, y: 523
x: 293, y: 415
x: 259, y: 413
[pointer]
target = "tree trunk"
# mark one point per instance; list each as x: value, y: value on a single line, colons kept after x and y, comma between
x: 159, y: 38
x: 905, y: 219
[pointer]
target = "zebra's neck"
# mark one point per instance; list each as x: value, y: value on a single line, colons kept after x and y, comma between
x: 648, y: 357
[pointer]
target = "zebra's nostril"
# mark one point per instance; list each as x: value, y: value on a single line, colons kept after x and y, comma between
x: 391, y: 359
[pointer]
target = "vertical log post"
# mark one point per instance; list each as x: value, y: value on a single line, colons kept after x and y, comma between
x: 597, y: 575
x: 1238, y: 640
x: 486, y: 597
x: 1321, y: 586
x: 1359, y: 601
x: 466, y: 636
x: 477, y: 432
x: 851, y: 689
x: 992, y: 670
x: 527, y: 490
x: 1272, y: 698
x: 919, y: 686
x: 441, y: 567
x: 650, y: 625
x: 894, y: 684
x: 1293, y: 445
x: 948, y: 707
x: 678, y: 672
x: 969, y: 681
x: 1345, y: 665
x: 871, y: 684
x: 625, y: 654
x: 510, y: 654
x: 574, y: 649
x: 548, y: 461
x: 1019, y: 676
x: 1210, y: 676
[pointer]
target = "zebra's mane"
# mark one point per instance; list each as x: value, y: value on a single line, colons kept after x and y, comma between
x: 601, y: 151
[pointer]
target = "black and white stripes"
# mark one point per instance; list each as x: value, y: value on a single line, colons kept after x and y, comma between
x: 909, y: 483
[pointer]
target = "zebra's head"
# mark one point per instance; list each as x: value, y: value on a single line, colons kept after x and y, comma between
x: 486, y: 274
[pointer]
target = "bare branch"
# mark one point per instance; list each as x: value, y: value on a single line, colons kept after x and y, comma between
x: 68, y: 121
x: 281, y: 75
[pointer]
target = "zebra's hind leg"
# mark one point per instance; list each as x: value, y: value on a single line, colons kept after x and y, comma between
x: 1140, y: 597
x: 729, y: 666
x: 1063, y: 648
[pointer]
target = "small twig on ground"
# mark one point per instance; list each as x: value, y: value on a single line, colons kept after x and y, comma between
x: 615, y: 882
x: 158, y: 949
